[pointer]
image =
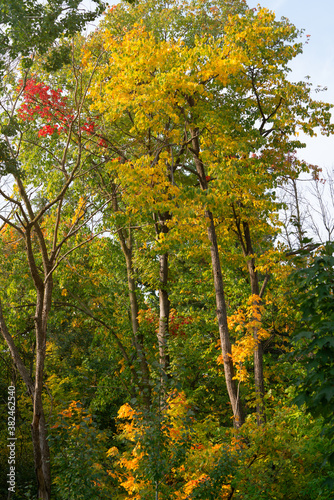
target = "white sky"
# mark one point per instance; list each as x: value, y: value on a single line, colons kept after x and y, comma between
x: 316, y: 17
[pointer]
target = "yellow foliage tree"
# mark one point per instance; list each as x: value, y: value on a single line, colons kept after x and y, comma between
x: 209, y: 118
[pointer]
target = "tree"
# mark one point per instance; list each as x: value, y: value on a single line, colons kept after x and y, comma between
x: 30, y: 27
x: 233, y: 99
x: 139, y: 216
x: 314, y: 342
x: 41, y: 207
x: 308, y: 223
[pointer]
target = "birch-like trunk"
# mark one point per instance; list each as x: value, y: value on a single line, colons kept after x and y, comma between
x: 232, y: 387
x: 164, y: 307
x: 38, y: 426
x: 126, y: 242
x: 164, y: 303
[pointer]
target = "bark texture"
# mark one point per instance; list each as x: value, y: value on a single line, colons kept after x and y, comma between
x: 244, y: 236
x: 232, y: 387
x: 164, y: 303
x: 164, y: 308
x: 126, y: 241
x: 258, y: 349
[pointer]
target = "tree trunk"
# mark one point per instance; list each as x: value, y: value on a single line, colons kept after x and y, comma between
x: 38, y: 426
x: 258, y: 351
x: 41, y: 451
x: 138, y: 340
x: 164, y: 307
x: 44, y: 286
x: 164, y: 303
x: 247, y: 248
x: 232, y: 388
x: 35, y: 389
x: 243, y: 233
x: 23, y: 371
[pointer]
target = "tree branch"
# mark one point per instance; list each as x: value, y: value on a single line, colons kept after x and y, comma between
x: 15, y: 354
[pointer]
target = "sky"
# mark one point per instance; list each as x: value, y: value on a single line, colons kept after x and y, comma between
x: 316, y: 17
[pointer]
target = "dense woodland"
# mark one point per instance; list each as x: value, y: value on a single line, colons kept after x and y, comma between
x: 166, y: 305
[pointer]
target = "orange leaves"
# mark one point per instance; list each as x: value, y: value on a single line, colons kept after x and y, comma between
x: 126, y: 411
x: 148, y: 316
x: 74, y: 417
x: 246, y: 319
x: 191, y: 485
x: 112, y: 452
x: 130, y: 465
x: 128, y: 462
x: 193, y: 475
x: 247, y: 325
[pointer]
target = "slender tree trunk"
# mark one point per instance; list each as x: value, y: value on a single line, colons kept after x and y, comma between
x: 38, y: 426
x: 43, y: 288
x: 164, y: 303
x: 37, y: 247
x: 164, y: 308
x: 23, y: 371
x: 258, y: 350
x: 41, y: 450
x: 244, y: 236
x: 298, y: 219
x: 232, y: 387
x: 138, y: 340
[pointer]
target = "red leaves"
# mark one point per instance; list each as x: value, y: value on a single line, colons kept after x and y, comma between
x: 103, y: 144
x: 40, y: 100
x: 51, y: 106
x: 176, y: 323
x: 88, y: 127
x: 198, y: 446
x: 47, y: 130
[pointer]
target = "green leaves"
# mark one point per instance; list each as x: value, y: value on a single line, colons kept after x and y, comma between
x: 314, y: 337
x: 78, y: 446
x: 169, y: 111
x: 29, y: 26
x: 8, y: 164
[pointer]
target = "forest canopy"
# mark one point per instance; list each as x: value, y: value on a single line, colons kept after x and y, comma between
x: 165, y: 332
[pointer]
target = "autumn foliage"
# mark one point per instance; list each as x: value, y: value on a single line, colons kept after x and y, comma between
x: 157, y: 328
